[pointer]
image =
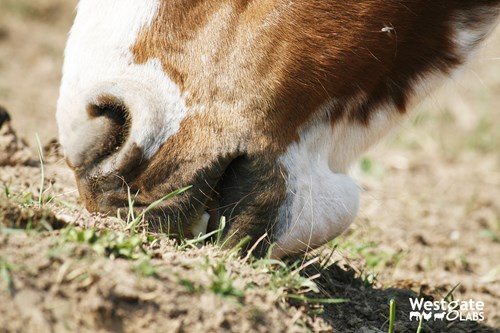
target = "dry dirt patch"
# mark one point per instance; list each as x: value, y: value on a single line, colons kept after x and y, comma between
x: 66, y: 270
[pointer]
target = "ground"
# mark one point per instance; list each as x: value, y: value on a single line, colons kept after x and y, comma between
x: 429, y: 222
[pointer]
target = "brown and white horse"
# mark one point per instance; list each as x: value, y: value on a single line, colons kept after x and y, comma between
x: 260, y: 105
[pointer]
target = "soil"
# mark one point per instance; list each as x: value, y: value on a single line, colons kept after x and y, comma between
x: 429, y: 224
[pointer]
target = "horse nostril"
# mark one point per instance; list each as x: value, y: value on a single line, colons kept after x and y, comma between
x: 106, y: 131
x: 110, y: 107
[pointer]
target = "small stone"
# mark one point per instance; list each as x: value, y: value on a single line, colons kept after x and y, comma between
x: 13, y: 150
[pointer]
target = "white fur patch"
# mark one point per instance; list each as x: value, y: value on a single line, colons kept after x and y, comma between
x: 322, y: 201
x: 200, y: 226
x: 98, y: 61
x: 320, y: 204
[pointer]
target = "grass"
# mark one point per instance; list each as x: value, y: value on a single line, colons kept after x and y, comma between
x: 492, y: 232
x: 374, y: 259
x: 392, y: 315
x: 201, y: 239
x: 34, y: 213
x: 26, y: 199
x: 42, y: 171
x: 420, y: 328
x: 133, y: 221
x: 145, y: 267
x: 392, y: 318
x: 5, y: 274
x: 29, y: 198
x: 112, y: 244
x: 285, y: 280
x: 371, y: 167
x: 219, y: 280
x: 222, y: 281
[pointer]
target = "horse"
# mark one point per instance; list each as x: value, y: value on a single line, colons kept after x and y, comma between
x: 259, y: 106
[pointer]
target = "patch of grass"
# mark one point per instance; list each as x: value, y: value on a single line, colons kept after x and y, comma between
x: 29, y: 198
x: 222, y: 282
x: 190, y: 286
x: 286, y: 277
x: 5, y: 274
x: 201, y: 239
x: 112, y: 244
x: 27, y: 218
x: 371, y: 167
x: 132, y: 220
x: 145, y: 267
x: 23, y: 199
x: 374, y: 258
x: 492, y: 233
x: 7, y: 191
x: 306, y: 299
x: 289, y: 283
x: 284, y: 280
x: 371, y: 257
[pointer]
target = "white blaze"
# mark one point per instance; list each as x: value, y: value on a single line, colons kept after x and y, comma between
x: 99, y: 61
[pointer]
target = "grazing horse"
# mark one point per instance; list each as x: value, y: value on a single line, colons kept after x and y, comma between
x: 261, y: 106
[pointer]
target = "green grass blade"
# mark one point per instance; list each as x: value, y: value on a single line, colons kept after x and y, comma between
x: 197, y: 240
x: 392, y: 315
x: 420, y: 328
x: 222, y: 225
x: 317, y: 300
x: 42, y: 169
x: 450, y: 293
x: 154, y: 205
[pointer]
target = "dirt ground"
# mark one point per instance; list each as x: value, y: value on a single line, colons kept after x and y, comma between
x: 429, y: 222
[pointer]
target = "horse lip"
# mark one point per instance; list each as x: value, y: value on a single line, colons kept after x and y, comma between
x: 106, y: 183
x: 211, y: 205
